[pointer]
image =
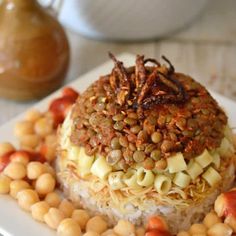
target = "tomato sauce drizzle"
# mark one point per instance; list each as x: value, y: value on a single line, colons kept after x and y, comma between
x: 5, y: 160
x: 230, y: 208
x: 59, y: 106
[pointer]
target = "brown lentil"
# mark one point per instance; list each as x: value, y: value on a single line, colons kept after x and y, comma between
x: 148, y: 126
x: 130, y: 121
x: 161, y: 164
x: 121, y: 165
x: 149, y: 148
x: 142, y: 136
x: 135, y: 129
x: 139, y: 156
x: 128, y: 156
x: 166, y: 146
x: 148, y: 164
x: 155, y: 154
x: 118, y: 117
x: 115, y: 144
x: 132, y: 147
x: 119, y: 125
x: 156, y: 137
x: 123, y: 141
x: 99, y: 107
x: 133, y: 115
x: 114, y: 156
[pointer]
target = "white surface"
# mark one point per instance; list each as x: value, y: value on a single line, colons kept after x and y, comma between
x: 130, y: 19
x: 15, y: 222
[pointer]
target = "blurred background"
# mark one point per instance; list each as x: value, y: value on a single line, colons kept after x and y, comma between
x: 199, y: 37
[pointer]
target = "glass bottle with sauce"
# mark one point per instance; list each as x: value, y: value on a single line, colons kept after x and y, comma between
x: 34, y: 50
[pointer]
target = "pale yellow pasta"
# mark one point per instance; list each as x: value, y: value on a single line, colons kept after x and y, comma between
x: 73, y: 153
x: 130, y: 178
x: 181, y: 179
x: 162, y: 184
x: 226, y: 148
x: 101, y: 168
x: 85, y: 163
x: 176, y: 163
x: 115, y: 180
x: 216, y: 159
x: 194, y: 170
x: 204, y: 159
x: 145, y: 177
x: 212, y: 176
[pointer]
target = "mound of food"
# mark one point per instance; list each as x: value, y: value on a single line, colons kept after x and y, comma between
x: 146, y: 141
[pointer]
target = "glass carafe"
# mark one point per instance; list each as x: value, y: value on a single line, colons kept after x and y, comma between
x: 34, y: 50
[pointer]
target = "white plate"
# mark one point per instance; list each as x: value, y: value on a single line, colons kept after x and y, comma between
x: 13, y: 221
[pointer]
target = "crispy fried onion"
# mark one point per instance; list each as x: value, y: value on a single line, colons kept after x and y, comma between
x: 147, y: 86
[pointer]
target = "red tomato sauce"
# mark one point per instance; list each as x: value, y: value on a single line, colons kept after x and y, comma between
x: 155, y: 232
x: 157, y: 227
x: 230, y: 199
x: 59, y: 106
x: 5, y: 160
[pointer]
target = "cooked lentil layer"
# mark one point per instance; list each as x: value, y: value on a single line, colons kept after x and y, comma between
x: 110, y: 119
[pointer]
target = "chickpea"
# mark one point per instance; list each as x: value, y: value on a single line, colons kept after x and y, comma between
x: 91, y: 233
x: 43, y: 126
x: 211, y: 219
x: 18, y: 185
x: 198, y: 229
x: 15, y: 170
x: 5, y: 148
x: 35, y: 169
x: 230, y: 220
x: 124, y: 228
x: 49, y: 152
x: 33, y: 115
x: 140, y: 231
x: 29, y: 141
x: 49, y: 169
x: 21, y: 157
x: 66, y: 207
x: 45, y: 184
x: 183, y: 233
x: 110, y: 232
x: 39, y: 209
x: 219, y: 205
x: 4, y: 184
x: 51, y: 144
x: 53, y: 218
x: 23, y: 128
x: 220, y: 229
x: 96, y: 224
x: 81, y: 216
x: 53, y: 199
x: 26, y: 198
x: 68, y: 227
